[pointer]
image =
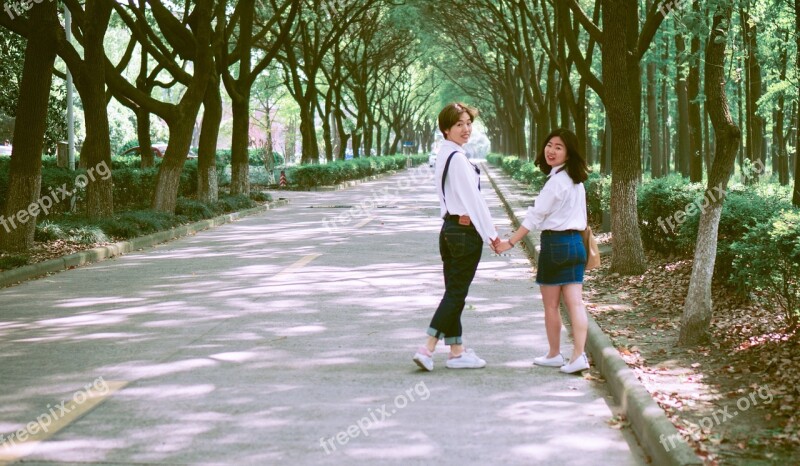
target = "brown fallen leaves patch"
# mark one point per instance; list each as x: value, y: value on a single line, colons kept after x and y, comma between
x: 43, y: 251
x: 736, y: 399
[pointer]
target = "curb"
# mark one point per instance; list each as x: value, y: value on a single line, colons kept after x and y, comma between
x: 656, y: 434
x: 101, y: 253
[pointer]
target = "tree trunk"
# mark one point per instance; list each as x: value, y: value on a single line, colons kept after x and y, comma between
x: 207, y: 186
x: 796, y: 195
x: 780, y: 135
x: 327, y: 132
x: 143, y: 137
x: 23, y: 203
x: 397, y: 131
x: 683, y: 152
x: 665, y: 140
x: 708, y: 152
x: 181, y: 118
x: 755, y: 123
x: 695, y: 120
x: 368, y: 135
x: 622, y: 82
x: 308, y: 132
x: 357, y: 143
x: 697, y: 309
x: 240, y: 139
x: 378, y: 145
x: 269, y: 145
x: 143, y: 117
x: 290, y: 141
x: 652, y: 122
x: 338, y: 153
x: 97, y: 146
x: 169, y: 173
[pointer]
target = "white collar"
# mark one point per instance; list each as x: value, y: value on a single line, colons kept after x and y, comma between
x: 453, y: 145
x: 555, y: 170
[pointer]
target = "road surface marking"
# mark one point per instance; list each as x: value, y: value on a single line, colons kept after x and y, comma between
x: 11, y: 449
x: 364, y: 222
x: 297, y: 265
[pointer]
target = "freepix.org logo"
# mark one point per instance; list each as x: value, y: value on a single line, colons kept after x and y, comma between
x: 53, y: 414
x: 20, y: 7
x: 46, y: 202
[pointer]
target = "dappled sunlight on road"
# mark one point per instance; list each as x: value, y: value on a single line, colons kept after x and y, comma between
x: 262, y: 339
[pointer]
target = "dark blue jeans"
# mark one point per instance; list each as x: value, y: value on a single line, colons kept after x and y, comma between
x: 460, y: 247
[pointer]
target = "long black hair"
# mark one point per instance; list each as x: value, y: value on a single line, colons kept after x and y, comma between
x: 575, y: 165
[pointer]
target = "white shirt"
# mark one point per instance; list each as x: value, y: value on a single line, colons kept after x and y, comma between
x: 561, y: 205
x: 462, y: 196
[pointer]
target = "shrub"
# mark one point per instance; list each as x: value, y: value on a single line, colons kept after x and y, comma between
x: 133, y: 187
x: 193, y: 210
x: 259, y: 196
x: 767, y: 259
x: 531, y: 175
x: 494, y: 159
x: 511, y: 164
x: 658, y: 201
x: 49, y: 231
x: 53, y: 178
x: 188, y: 183
x: 129, y: 144
x: 308, y: 176
x: 235, y: 202
x: 137, y: 223
x: 598, y: 196
x: 86, y: 235
x: 13, y: 260
x: 743, y: 209
x: 129, y: 161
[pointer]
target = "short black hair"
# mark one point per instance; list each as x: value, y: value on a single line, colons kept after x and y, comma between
x: 451, y: 113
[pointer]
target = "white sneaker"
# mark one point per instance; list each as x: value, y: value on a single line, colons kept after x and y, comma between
x: 556, y: 361
x: 467, y: 360
x: 424, y: 359
x: 580, y: 364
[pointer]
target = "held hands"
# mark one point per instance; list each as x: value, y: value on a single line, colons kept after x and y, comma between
x: 499, y: 246
x: 502, y: 247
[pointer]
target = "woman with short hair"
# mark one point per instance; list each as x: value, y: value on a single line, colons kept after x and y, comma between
x: 467, y: 225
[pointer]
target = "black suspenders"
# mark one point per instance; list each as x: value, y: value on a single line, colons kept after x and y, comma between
x: 447, y: 168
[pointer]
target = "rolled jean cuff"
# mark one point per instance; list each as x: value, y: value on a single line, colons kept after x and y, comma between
x: 447, y: 340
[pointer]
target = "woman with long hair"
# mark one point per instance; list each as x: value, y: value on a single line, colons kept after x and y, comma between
x: 560, y: 213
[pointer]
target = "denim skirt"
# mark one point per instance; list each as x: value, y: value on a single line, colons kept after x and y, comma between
x: 562, y: 258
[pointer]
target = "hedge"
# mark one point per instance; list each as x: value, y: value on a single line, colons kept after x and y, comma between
x: 313, y: 175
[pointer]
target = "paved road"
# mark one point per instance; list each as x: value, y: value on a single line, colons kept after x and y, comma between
x: 286, y: 338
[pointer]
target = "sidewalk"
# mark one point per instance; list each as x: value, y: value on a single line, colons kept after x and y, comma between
x: 287, y: 338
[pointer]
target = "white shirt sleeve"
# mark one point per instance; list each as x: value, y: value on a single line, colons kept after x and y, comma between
x: 464, y: 198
